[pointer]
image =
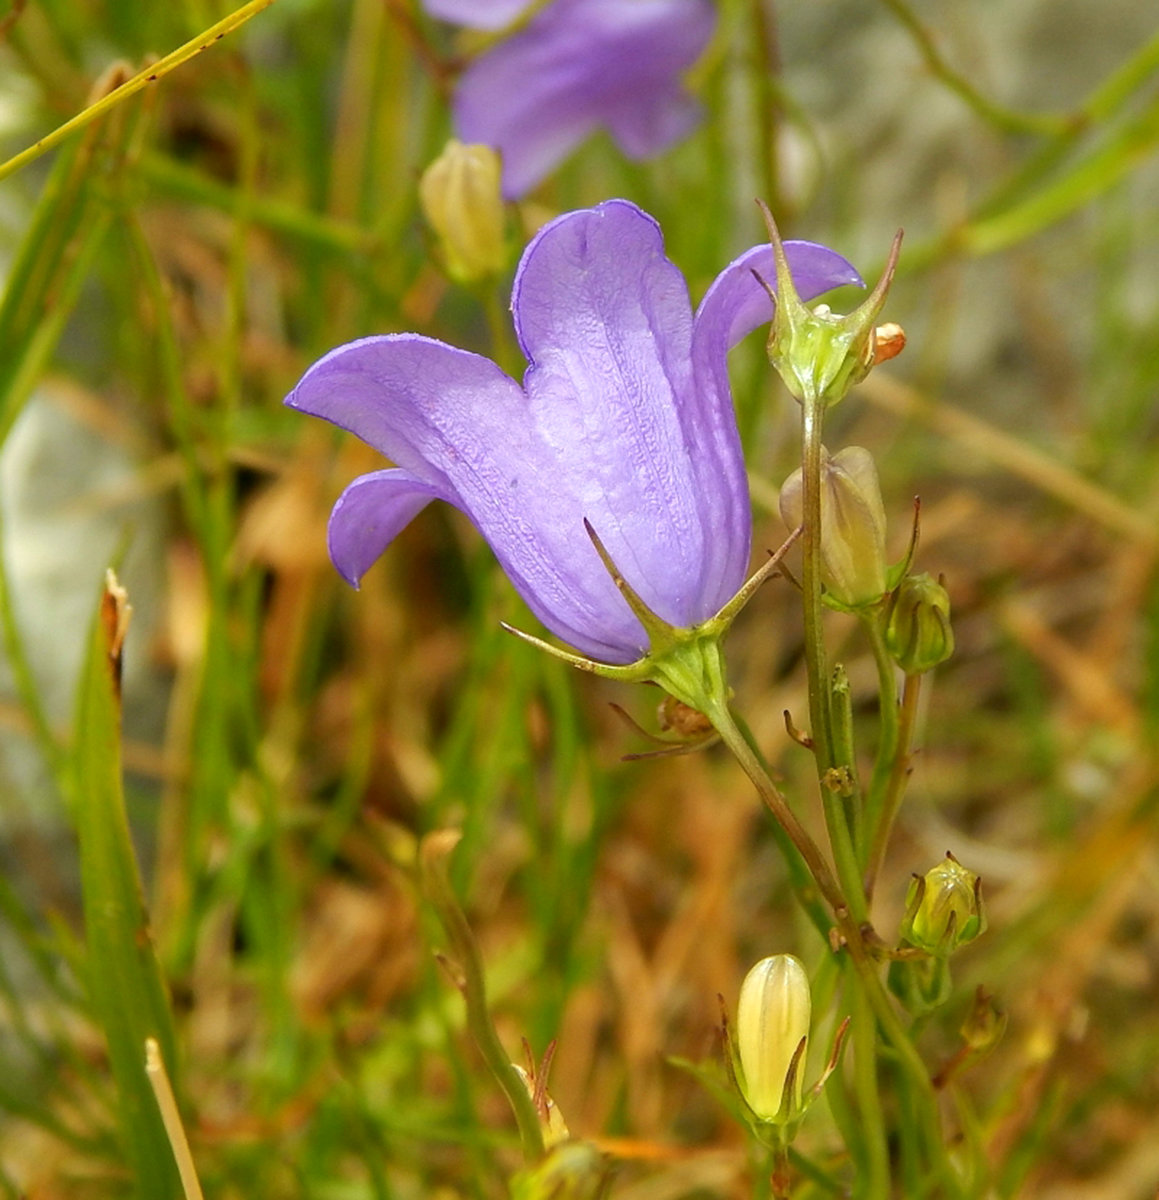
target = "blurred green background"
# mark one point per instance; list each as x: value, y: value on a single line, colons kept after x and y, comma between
x: 173, y: 267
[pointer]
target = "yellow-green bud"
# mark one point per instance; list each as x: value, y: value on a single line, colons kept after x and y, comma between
x: 852, y: 525
x: 918, y: 633
x: 943, y: 908
x: 461, y: 199
x: 772, y: 1021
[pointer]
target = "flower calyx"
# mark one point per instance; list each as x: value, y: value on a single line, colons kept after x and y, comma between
x: 688, y: 663
x: 819, y: 354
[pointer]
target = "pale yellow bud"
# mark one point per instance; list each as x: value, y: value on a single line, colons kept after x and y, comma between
x: 772, y: 1020
x: 461, y: 199
x: 852, y: 525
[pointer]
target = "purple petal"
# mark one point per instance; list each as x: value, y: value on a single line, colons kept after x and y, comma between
x: 461, y: 429
x: 476, y: 14
x: 368, y: 516
x: 604, y: 318
x: 578, y: 65
x: 642, y: 130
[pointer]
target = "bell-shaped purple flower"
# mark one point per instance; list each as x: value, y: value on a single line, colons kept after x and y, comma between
x: 624, y: 420
x: 579, y: 65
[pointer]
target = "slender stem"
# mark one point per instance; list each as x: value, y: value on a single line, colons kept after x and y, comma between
x: 800, y: 877
x: 433, y: 854
x: 1008, y: 120
x: 776, y: 803
x: 888, y: 736
x: 158, y: 1078
x: 841, y: 697
x: 143, y: 78
x: 820, y: 715
x: 823, y: 733
x: 895, y: 784
x: 871, y: 1117
x: 780, y: 1179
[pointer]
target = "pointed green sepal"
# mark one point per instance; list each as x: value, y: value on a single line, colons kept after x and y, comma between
x: 818, y: 354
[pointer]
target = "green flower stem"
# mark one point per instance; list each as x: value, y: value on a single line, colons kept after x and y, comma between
x: 905, y: 722
x: 144, y: 78
x: 775, y: 802
x: 871, y: 1118
x: 800, y: 877
x: 887, y: 744
x: 780, y: 1179
x: 433, y: 855
x: 841, y: 706
x: 835, y: 775
x: 820, y: 714
x: 916, y: 1075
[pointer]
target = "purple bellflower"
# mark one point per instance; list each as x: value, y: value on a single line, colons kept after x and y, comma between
x: 624, y: 420
x: 576, y: 66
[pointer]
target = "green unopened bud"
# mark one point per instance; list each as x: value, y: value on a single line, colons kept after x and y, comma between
x: 462, y: 202
x: 943, y: 908
x: 852, y: 525
x: 818, y: 354
x: 772, y: 1032
x: 918, y: 633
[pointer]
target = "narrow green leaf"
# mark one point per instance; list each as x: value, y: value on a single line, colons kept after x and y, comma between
x: 124, y: 979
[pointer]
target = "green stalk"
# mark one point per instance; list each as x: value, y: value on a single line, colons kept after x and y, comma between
x: 146, y: 76
x: 820, y: 715
x: 776, y: 803
x: 800, y: 876
x: 871, y: 1116
x: 821, y: 718
x: 887, y: 745
x: 433, y: 854
x: 896, y: 780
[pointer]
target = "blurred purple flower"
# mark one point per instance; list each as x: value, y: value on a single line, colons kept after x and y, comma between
x: 477, y: 14
x: 625, y: 418
x: 576, y: 66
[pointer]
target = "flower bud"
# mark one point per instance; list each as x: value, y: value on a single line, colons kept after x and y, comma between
x: 461, y: 199
x: 918, y: 634
x: 943, y: 908
x: 772, y: 1022
x: 852, y: 525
